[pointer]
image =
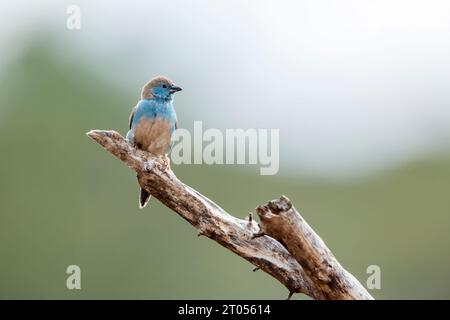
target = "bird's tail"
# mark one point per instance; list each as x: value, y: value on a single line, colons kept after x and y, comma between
x: 144, y: 198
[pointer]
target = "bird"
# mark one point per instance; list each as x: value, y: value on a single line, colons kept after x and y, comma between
x: 153, y: 121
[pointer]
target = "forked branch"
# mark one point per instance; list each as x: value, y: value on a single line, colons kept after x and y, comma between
x: 269, y: 248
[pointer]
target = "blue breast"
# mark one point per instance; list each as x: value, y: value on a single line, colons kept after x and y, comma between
x: 155, y: 109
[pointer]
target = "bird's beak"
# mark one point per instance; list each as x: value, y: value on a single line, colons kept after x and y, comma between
x: 174, y: 89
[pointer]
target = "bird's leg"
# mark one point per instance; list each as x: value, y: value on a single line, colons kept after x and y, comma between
x: 133, y: 143
x: 166, y: 162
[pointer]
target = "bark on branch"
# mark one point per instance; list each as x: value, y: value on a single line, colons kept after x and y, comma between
x: 280, y: 220
x: 284, y: 246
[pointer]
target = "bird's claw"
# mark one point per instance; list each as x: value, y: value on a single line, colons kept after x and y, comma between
x: 166, y: 163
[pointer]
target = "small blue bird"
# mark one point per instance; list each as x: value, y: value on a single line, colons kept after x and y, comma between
x: 153, y: 122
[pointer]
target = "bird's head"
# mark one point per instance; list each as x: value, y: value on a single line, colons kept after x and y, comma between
x: 160, y: 88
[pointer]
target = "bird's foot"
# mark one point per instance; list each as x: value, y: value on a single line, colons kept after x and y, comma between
x: 166, y: 162
x: 133, y: 143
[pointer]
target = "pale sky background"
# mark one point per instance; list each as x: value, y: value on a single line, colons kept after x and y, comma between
x: 355, y: 86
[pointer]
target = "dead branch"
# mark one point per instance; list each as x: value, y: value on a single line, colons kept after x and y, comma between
x: 271, y: 254
x: 281, y: 221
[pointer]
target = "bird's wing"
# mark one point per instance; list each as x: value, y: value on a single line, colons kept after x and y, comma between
x: 130, y: 119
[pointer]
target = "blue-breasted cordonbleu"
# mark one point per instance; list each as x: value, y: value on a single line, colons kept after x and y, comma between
x: 153, y: 122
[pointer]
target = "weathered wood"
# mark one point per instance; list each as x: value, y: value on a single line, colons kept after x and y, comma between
x: 280, y: 220
x: 243, y: 237
x: 210, y: 220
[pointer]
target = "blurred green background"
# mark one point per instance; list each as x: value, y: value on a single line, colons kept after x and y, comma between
x: 64, y: 201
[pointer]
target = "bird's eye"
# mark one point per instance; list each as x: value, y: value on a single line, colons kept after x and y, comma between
x: 164, y: 86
